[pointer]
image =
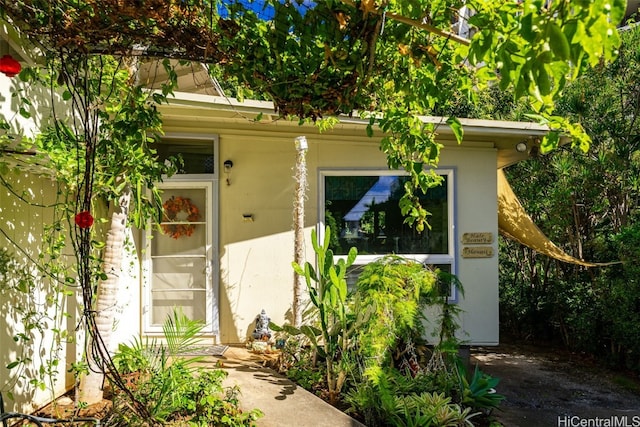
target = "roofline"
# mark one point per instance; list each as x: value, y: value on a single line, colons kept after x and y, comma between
x: 251, y: 106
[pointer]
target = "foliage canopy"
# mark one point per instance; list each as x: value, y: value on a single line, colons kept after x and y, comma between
x: 336, y: 56
x: 391, y: 60
x: 588, y: 204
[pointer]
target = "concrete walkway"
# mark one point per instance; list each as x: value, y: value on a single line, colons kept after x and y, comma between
x: 282, y: 401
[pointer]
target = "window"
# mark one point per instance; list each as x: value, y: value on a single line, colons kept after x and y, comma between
x: 198, y: 153
x: 361, y: 208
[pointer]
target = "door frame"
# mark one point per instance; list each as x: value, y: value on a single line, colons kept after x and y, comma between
x: 179, y: 181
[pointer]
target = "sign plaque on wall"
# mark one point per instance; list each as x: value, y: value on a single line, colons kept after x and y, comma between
x: 477, y: 238
x: 482, y: 239
x: 477, y: 252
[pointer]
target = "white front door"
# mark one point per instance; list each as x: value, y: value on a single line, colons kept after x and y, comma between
x: 179, y: 258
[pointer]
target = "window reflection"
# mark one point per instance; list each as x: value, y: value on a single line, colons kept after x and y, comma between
x: 363, y: 211
x: 197, y: 158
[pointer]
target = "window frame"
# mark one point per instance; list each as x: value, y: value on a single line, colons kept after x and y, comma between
x: 426, y: 259
x: 191, y: 139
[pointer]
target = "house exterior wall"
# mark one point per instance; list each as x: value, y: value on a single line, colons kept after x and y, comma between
x: 255, y: 257
x: 23, y: 226
x: 23, y: 229
x: 476, y: 212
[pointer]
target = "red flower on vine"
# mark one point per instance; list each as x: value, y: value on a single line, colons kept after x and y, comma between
x: 84, y: 219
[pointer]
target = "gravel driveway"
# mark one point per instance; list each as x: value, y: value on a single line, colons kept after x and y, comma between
x: 556, y: 388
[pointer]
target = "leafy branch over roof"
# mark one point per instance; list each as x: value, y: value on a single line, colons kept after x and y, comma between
x: 335, y: 56
x: 401, y: 58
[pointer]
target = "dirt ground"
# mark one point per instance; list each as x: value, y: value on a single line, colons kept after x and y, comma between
x: 556, y: 388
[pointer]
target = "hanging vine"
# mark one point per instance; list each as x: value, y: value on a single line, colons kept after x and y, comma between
x: 99, y: 147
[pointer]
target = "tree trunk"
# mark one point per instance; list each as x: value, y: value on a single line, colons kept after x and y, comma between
x: 90, y: 390
x: 298, y: 228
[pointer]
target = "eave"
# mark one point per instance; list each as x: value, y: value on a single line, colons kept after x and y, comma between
x: 258, y: 118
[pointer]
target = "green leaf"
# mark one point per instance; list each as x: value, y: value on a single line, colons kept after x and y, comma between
x: 297, y: 268
x: 310, y: 272
x: 617, y: 11
x: 313, y: 295
x: 311, y: 332
x: 23, y: 286
x: 550, y: 141
x: 327, y: 237
x: 342, y: 289
x: 351, y: 256
x: 558, y: 42
x: 456, y: 127
x: 526, y: 29
x: 314, y: 240
x: 333, y: 276
x: 275, y: 327
x: 13, y: 364
x: 542, y: 79
x: 291, y: 330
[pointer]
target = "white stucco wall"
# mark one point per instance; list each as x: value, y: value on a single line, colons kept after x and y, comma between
x: 476, y: 211
x: 256, y: 256
x: 23, y: 226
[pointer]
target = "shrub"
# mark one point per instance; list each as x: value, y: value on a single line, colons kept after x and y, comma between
x: 171, y: 387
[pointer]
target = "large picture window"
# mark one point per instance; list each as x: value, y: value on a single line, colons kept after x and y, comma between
x: 361, y: 207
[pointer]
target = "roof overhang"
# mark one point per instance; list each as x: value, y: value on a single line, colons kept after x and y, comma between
x: 189, y: 110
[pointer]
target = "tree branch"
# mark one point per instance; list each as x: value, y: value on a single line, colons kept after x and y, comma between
x: 415, y: 23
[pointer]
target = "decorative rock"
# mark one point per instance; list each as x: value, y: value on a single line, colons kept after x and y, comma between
x: 259, y: 346
x: 65, y: 401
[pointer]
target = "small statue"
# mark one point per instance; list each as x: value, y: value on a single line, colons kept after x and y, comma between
x: 262, y: 331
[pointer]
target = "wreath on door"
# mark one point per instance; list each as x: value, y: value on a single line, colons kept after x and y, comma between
x: 180, y: 210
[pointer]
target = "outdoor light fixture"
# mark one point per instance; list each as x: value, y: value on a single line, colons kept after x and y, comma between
x: 521, y: 147
x: 9, y: 66
x: 228, y: 164
x: 301, y: 143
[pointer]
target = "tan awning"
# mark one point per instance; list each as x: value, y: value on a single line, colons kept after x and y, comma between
x: 516, y: 224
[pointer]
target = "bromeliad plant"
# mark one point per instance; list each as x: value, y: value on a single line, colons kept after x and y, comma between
x: 479, y: 391
x: 429, y: 409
